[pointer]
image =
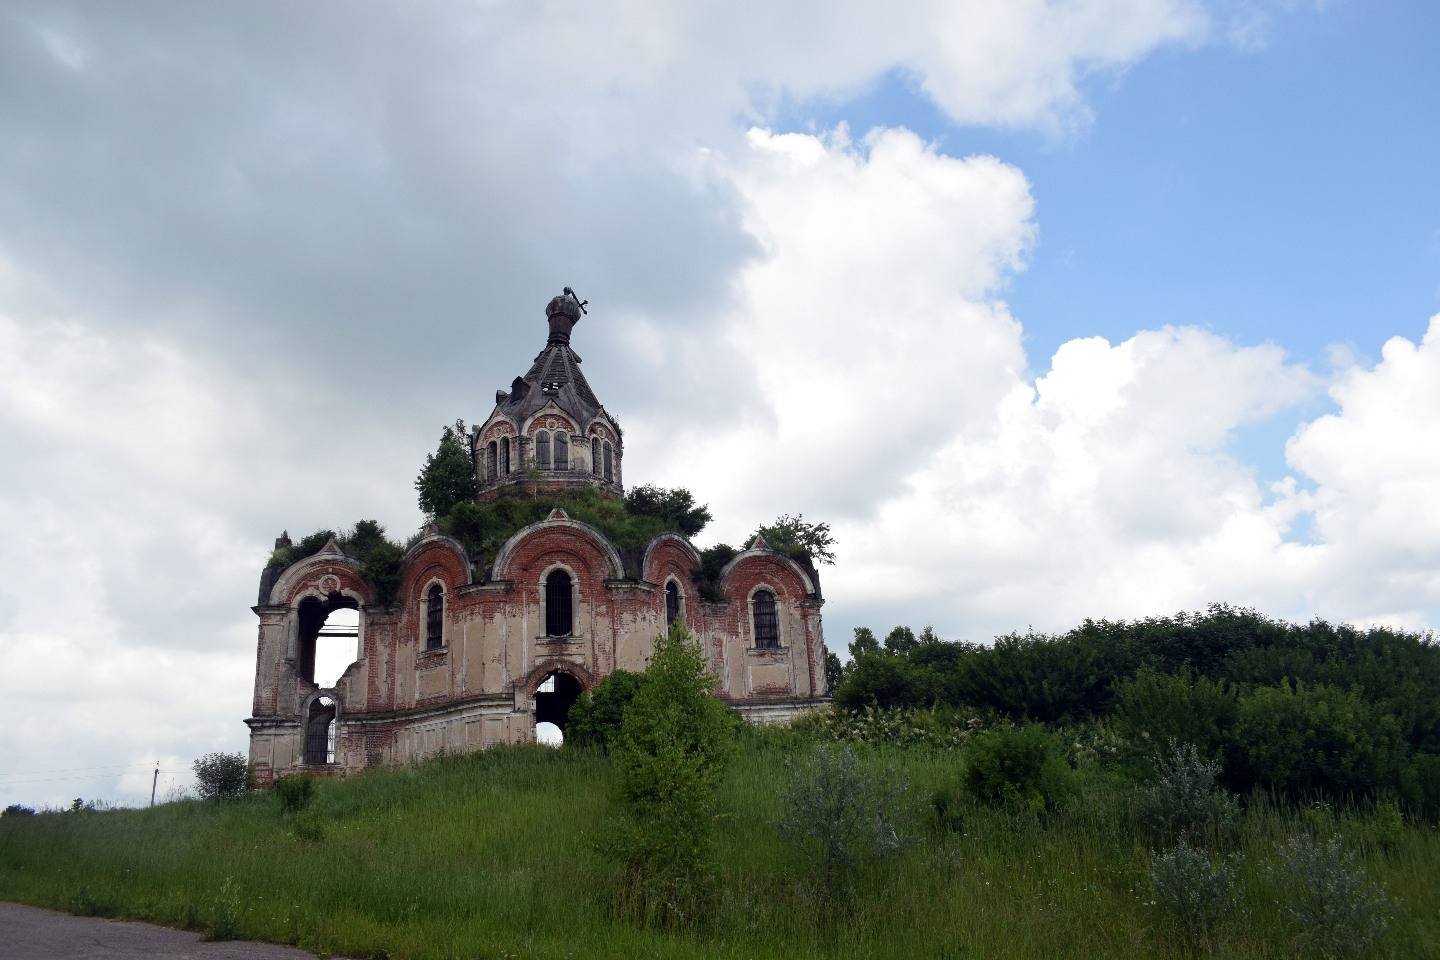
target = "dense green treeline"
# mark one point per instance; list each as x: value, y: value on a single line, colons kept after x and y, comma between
x: 1300, y: 708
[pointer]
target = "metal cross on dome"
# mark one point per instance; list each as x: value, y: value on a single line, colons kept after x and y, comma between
x: 576, y: 297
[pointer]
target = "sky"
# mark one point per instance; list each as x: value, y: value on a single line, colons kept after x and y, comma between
x: 1053, y: 310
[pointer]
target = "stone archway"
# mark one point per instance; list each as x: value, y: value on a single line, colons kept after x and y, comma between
x: 554, y: 696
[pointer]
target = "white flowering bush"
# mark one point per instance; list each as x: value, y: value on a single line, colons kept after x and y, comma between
x: 941, y: 729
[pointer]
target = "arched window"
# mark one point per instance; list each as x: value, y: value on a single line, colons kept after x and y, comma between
x: 562, y: 451
x: 542, y: 450
x: 595, y: 455
x: 672, y: 602
x: 609, y: 472
x: 434, y: 617
x: 491, y: 456
x: 505, y: 456
x: 767, y: 623
x: 559, y: 621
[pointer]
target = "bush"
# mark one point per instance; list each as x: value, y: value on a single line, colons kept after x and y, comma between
x: 16, y: 810
x: 596, y: 718
x: 675, y: 742
x: 1152, y: 709
x: 295, y: 792
x: 1194, y: 890
x: 1304, y: 739
x: 1336, y: 911
x: 841, y: 817
x: 222, y: 776
x: 1184, y: 800
x: 1021, y: 765
x: 943, y: 729
x: 1420, y: 787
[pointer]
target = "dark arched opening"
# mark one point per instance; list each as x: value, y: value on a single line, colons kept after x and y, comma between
x: 559, y: 619
x: 435, y: 617
x: 320, y: 731
x: 767, y: 620
x: 554, y: 697
x: 672, y: 603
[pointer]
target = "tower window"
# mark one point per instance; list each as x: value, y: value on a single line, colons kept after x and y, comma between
x: 672, y: 602
x: 562, y: 451
x: 490, y: 460
x: 609, y: 470
x: 434, y: 617
x: 505, y: 456
x: 767, y: 623
x: 542, y: 450
x: 594, y: 455
x: 559, y: 618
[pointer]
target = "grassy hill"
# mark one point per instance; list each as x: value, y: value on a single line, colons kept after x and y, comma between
x: 492, y: 855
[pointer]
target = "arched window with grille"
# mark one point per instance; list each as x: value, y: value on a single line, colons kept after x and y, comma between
x: 320, y: 731
x: 542, y: 450
x: 672, y: 602
x: 562, y: 451
x: 609, y: 469
x: 594, y: 455
x: 505, y: 456
x: 767, y: 620
x: 559, y: 617
x: 491, y: 458
x: 434, y: 617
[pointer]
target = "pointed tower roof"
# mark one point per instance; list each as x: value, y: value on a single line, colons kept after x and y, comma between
x: 555, y: 375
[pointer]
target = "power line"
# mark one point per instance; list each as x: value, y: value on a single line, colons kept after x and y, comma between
x: 77, y: 773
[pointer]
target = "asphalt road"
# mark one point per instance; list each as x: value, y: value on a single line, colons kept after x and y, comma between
x: 29, y: 933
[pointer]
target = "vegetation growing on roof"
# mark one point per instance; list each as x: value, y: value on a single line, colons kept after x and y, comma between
x: 674, y: 507
x: 630, y: 524
x: 380, y: 558
x: 799, y: 539
x: 712, y: 562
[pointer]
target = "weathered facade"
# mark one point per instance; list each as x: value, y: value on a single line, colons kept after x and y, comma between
x: 467, y: 658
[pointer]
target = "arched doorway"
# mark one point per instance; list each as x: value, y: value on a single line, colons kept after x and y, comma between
x: 554, y: 697
x: 320, y: 731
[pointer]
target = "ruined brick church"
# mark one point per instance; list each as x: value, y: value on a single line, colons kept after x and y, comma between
x: 469, y: 657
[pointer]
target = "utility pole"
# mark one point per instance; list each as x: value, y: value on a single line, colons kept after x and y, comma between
x: 154, y: 781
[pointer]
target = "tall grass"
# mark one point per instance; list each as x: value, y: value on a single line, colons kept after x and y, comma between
x: 492, y: 855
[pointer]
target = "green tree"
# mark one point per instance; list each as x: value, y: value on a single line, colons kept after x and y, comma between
x: 676, y: 508
x: 675, y: 742
x: 864, y: 642
x: 797, y: 537
x: 834, y: 670
x: 222, y: 776
x: 596, y: 718
x: 448, y: 476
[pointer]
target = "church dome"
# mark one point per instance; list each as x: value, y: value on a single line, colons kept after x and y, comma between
x: 549, y: 409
